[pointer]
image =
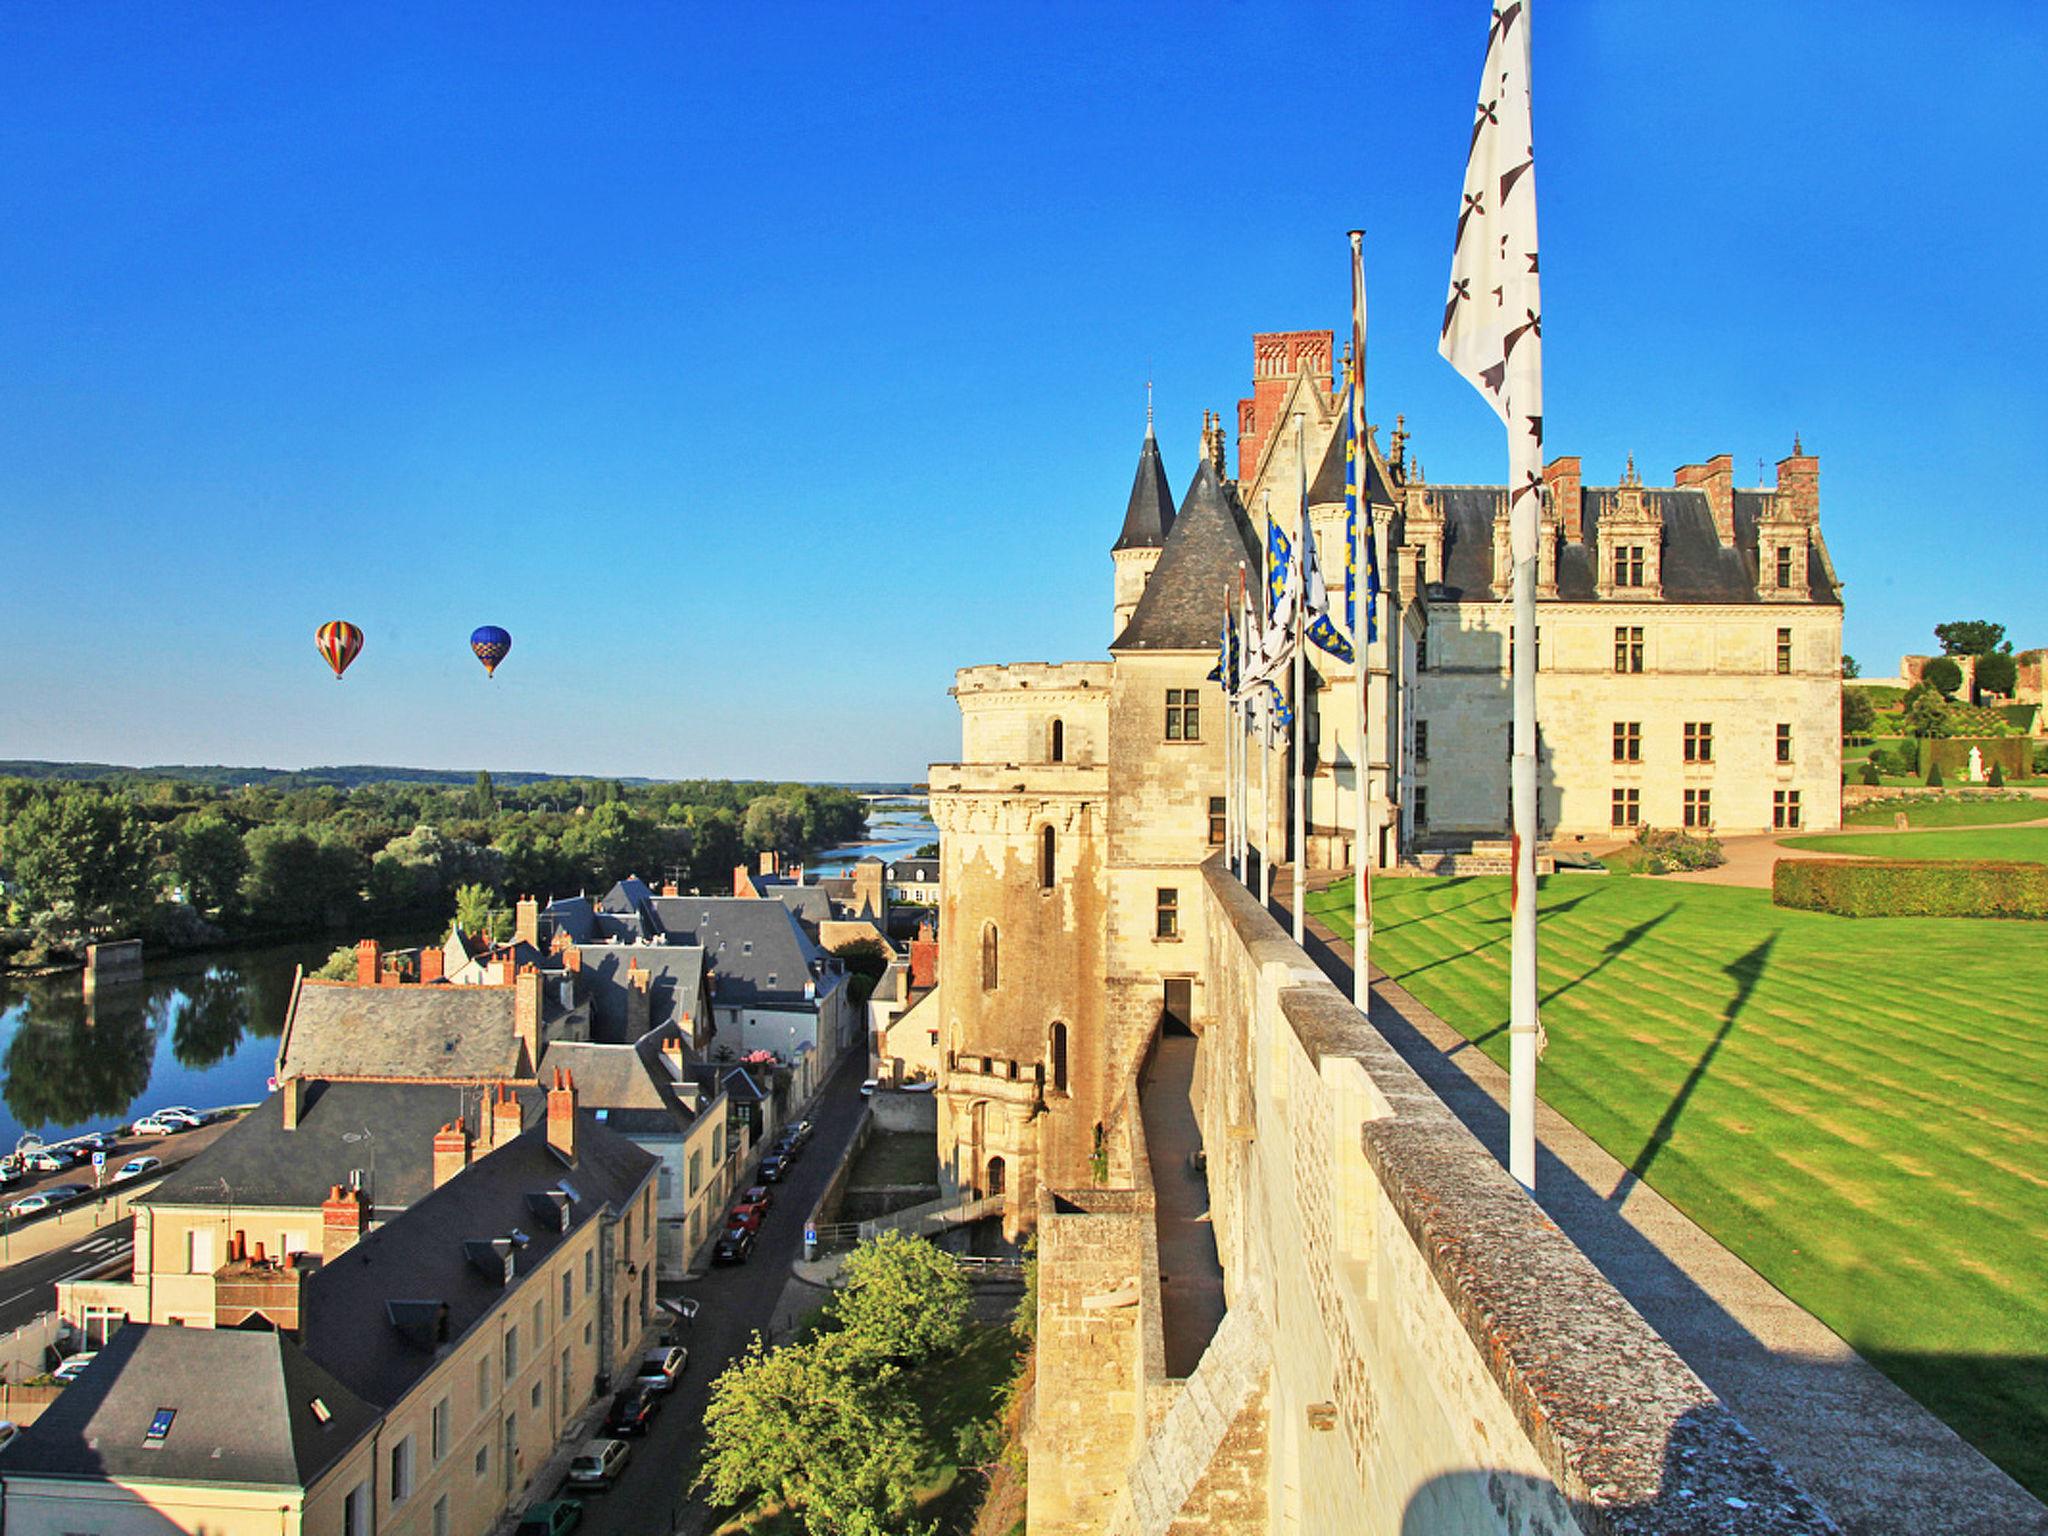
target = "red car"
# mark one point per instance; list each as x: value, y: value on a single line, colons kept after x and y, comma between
x: 748, y: 1216
x: 757, y: 1194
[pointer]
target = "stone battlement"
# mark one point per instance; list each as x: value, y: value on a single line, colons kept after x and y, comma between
x: 1023, y: 676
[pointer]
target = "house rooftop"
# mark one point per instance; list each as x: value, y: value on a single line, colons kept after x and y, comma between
x: 340, y: 1029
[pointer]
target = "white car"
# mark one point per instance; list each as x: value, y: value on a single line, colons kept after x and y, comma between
x: 136, y: 1167
x: 43, y: 1199
x: 598, y: 1463
x: 867, y: 1089
x: 157, y: 1125
x: 74, y: 1368
x: 180, y: 1112
x: 659, y: 1368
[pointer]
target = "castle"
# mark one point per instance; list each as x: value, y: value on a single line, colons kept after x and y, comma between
x: 1215, y: 1150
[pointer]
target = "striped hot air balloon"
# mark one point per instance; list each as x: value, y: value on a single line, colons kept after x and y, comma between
x: 491, y: 645
x: 340, y: 642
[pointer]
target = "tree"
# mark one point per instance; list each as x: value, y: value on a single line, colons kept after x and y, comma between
x: 338, y: 966
x: 477, y: 911
x: 867, y: 963
x: 1971, y: 637
x: 80, y: 861
x: 1997, y: 673
x: 905, y: 1300
x: 298, y: 880
x: 1926, y: 713
x: 818, y: 1427
x: 210, y: 861
x: 483, y: 800
x: 1858, y: 713
x: 1934, y: 780
x: 1996, y: 778
x: 773, y: 823
x: 927, y: 851
x: 1944, y: 675
x: 1851, y: 667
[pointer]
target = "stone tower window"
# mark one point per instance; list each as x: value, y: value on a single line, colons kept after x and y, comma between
x: 1059, y: 741
x: 1059, y: 1057
x: 1046, y: 848
x: 988, y: 957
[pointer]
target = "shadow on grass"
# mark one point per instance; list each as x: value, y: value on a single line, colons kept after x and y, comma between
x: 1999, y: 1403
x: 1492, y: 943
x: 1747, y: 970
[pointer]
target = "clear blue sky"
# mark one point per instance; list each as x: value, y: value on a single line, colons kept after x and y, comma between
x: 757, y: 366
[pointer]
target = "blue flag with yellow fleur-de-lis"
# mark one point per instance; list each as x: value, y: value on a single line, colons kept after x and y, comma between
x: 1355, y: 526
x: 1227, y: 666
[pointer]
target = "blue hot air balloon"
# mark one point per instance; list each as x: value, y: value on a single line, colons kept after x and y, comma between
x: 491, y: 645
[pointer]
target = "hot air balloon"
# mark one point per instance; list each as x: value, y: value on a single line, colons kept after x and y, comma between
x: 491, y: 645
x: 340, y: 642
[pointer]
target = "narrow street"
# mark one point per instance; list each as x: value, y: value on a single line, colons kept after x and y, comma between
x: 651, y: 1497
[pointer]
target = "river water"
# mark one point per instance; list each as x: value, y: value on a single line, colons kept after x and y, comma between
x: 897, y: 829
x: 199, y: 1030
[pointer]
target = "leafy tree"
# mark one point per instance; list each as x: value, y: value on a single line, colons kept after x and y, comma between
x: 477, y: 911
x: 866, y: 963
x: 1997, y: 674
x: 483, y: 800
x: 81, y: 859
x: 818, y: 1427
x: 773, y: 822
x: 1971, y: 637
x: 1858, y: 713
x: 1926, y: 713
x: 1024, y: 1321
x: 298, y: 880
x: 338, y: 966
x: 1851, y: 667
x: 714, y: 847
x: 1872, y: 774
x: 927, y: 851
x: 904, y: 1300
x: 210, y: 860
x: 1944, y: 675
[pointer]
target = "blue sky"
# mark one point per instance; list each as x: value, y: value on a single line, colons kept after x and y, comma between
x: 756, y: 367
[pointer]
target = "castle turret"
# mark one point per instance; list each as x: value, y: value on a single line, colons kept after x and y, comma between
x: 1147, y: 521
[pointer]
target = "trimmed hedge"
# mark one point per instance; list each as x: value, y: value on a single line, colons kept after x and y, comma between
x: 1952, y: 755
x: 1912, y: 888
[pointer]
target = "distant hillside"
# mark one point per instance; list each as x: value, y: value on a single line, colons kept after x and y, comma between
x: 346, y: 777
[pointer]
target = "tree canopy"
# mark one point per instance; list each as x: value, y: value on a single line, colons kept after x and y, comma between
x: 1971, y: 637
x: 1997, y: 673
x: 1942, y: 674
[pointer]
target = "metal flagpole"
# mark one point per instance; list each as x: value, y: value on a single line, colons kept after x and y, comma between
x: 1244, y: 739
x: 1299, y: 619
x: 1265, y: 712
x: 1229, y: 729
x: 1364, y: 832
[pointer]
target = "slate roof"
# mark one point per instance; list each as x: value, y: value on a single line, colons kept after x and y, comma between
x: 573, y: 915
x: 257, y: 1162
x: 337, y: 1029
x: 420, y: 1256
x: 1328, y: 484
x: 244, y: 1413
x: 1182, y: 609
x: 914, y: 871
x: 1696, y: 566
x: 1148, y: 518
x: 675, y: 992
x: 811, y: 903
x: 629, y: 1087
x: 759, y: 953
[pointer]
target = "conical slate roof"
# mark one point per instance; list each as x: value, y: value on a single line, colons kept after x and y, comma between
x: 1328, y: 485
x: 1149, y: 517
x: 1182, y: 609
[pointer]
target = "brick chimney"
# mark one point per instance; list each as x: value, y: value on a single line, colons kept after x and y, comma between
x: 291, y: 1104
x: 742, y: 880
x: 251, y: 1285
x: 505, y: 1119
x: 1717, y: 478
x: 526, y: 1001
x: 433, y: 963
x: 924, y: 957
x: 639, y: 999
x: 526, y: 921
x: 1799, y: 484
x: 369, y: 962
x: 1277, y: 357
x: 562, y: 1115
x: 672, y: 1057
x: 769, y: 861
x: 1567, y: 497
x: 572, y: 959
x: 451, y: 1151
x: 668, y: 888
x: 343, y: 1216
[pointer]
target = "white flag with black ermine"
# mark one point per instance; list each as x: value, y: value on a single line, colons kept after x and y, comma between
x: 1493, y: 315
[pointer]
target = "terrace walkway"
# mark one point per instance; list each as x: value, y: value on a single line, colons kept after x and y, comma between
x: 1190, y: 1273
x: 1879, y: 1461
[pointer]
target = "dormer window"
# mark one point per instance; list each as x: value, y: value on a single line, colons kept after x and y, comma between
x: 1784, y: 567
x: 1628, y: 565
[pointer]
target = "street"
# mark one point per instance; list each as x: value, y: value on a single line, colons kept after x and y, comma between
x: 649, y: 1499
x: 29, y: 1288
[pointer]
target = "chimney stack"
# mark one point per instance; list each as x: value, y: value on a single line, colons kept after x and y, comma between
x: 1717, y: 478
x: 369, y: 962
x: 342, y: 1219
x: 672, y: 1056
x: 668, y: 888
x: 251, y: 1285
x: 433, y: 964
x: 639, y: 999
x: 526, y: 1001
x: 1799, y: 484
x: 291, y: 1101
x: 526, y: 922
x: 1567, y: 498
x: 562, y: 1115
x: 572, y: 959
x: 924, y: 957
x: 451, y: 1151
x: 505, y: 1121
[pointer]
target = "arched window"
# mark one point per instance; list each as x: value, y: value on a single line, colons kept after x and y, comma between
x: 996, y: 1173
x: 1045, y: 857
x: 1059, y: 1057
x: 1059, y: 741
x: 988, y: 957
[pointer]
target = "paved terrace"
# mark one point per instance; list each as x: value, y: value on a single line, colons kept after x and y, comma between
x: 1190, y: 1273
x: 1878, y: 1460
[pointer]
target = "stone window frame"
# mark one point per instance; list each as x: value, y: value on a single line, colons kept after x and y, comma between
x: 1784, y: 652
x: 1785, y: 810
x: 1625, y: 807
x: 1629, y: 565
x: 1166, y: 914
x: 1783, y: 744
x: 1699, y: 741
x: 1628, y: 741
x: 1183, y: 714
x: 1628, y: 648
x: 1698, y: 812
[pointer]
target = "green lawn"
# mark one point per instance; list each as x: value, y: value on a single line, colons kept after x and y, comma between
x: 1948, y: 813
x: 1857, y: 1107
x: 2027, y: 845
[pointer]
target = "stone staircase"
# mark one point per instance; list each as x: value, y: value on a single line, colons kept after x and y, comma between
x: 1476, y: 858
x: 1206, y: 1461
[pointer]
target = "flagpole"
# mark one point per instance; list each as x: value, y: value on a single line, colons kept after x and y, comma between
x: 1229, y: 716
x: 1300, y: 621
x: 1364, y: 832
x: 1265, y: 717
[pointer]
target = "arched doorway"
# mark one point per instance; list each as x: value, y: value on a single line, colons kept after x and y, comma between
x: 1059, y: 741
x: 996, y: 1174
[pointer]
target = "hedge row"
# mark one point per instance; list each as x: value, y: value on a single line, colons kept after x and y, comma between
x: 2010, y: 753
x: 1911, y: 888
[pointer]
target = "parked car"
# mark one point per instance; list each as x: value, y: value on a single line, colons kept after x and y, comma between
x: 550, y: 1517
x: 800, y: 1130
x: 598, y: 1463
x: 632, y: 1411
x: 757, y: 1194
x: 180, y: 1112
x: 136, y: 1167
x: 49, y: 1159
x: 922, y: 1085
x: 775, y: 1167
x: 659, y: 1368
x: 10, y: 1172
x: 748, y: 1216
x: 75, y: 1367
x: 43, y: 1199
x: 734, y: 1247
x: 97, y: 1141
x: 155, y: 1125
x: 868, y: 1087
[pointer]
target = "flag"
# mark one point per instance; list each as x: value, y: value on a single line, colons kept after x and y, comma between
x: 1321, y: 630
x: 1493, y: 315
x: 1279, y: 575
x: 1354, y: 503
x: 1225, y: 672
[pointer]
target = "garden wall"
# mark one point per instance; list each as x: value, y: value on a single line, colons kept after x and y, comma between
x: 1911, y: 888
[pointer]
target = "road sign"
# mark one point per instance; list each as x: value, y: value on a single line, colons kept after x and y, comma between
x: 99, y: 1159
x: 99, y: 1167
x: 810, y: 1234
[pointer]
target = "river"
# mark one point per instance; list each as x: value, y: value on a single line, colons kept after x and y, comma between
x: 199, y: 1030
x: 897, y: 829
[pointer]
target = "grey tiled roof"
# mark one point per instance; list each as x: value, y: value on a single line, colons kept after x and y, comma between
x: 628, y: 1087
x: 337, y: 1029
x: 1182, y: 609
x: 243, y: 1404
x: 914, y: 871
x: 383, y: 1131
x: 420, y: 1256
x: 1148, y: 518
x: 675, y: 992
x: 758, y: 951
